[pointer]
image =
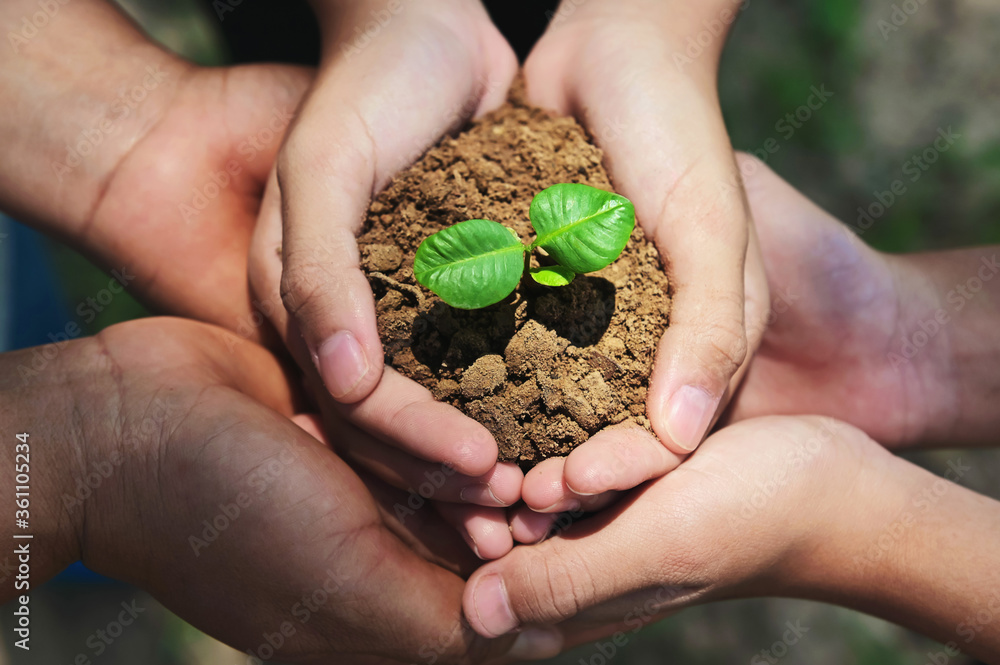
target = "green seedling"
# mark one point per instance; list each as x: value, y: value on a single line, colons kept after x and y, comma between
x: 478, y: 262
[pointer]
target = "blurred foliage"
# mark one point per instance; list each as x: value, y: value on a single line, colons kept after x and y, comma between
x: 891, y: 94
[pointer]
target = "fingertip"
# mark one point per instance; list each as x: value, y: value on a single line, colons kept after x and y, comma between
x: 537, y: 643
x: 544, y: 489
x: 682, y: 419
x: 505, y: 480
x: 487, y: 605
x: 616, y: 459
x: 475, y: 450
x: 529, y: 527
x: 348, y: 370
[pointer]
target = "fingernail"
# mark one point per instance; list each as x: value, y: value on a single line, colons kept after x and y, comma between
x: 493, y: 607
x: 471, y: 542
x: 480, y: 494
x: 689, y: 413
x: 562, y: 506
x: 342, y: 363
x: 536, y: 643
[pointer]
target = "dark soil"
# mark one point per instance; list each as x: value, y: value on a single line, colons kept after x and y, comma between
x: 547, y: 367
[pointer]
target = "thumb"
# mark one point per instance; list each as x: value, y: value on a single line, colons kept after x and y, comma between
x: 558, y: 579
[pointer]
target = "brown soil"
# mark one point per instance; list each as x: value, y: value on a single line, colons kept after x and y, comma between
x: 547, y: 367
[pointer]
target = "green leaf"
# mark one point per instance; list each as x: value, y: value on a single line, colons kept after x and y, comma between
x: 552, y: 275
x: 471, y: 264
x: 581, y: 227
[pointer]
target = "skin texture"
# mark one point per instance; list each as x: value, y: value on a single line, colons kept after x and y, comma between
x: 375, y: 106
x: 197, y: 435
x: 614, y: 66
x: 169, y: 196
x: 127, y: 199
x: 880, y: 535
x: 708, y: 531
x: 840, y: 313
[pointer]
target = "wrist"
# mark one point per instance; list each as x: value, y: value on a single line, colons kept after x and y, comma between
x: 694, y: 33
x: 40, y: 389
x: 950, y: 311
x: 87, y: 87
x: 906, y: 536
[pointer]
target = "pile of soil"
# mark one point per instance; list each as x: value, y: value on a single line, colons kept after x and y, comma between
x: 547, y: 367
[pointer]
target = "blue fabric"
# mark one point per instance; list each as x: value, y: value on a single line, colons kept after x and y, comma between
x: 33, y: 306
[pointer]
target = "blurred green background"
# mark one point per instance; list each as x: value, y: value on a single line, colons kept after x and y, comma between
x: 892, y: 92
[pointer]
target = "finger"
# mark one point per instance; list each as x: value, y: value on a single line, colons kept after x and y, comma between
x: 689, y: 203
x: 553, y: 581
x: 398, y: 411
x: 406, y: 414
x: 617, y: 459
x: 500, y: 486
x: 403, y: 97
x: 485, y: 530
x: 227, y: 358
x: 545, y: 490
x: 528, y: 526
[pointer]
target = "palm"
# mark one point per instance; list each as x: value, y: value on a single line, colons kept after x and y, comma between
x: 836, y: 313
x: 249, y: 511
x: 186, y: 238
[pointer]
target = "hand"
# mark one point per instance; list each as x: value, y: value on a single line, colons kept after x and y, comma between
x: 614, y: 65
x: 840, y: 318
x: 376, y: 105
x: 209, y: 497
x: 150, y: 165
x: 801, y: 507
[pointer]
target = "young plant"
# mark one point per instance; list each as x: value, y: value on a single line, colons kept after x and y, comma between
x: 478, y: 262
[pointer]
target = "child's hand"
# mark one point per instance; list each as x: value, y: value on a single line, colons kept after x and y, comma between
x: 202, y: 490
x: 614, y: 64
x: 378, y: 102
x: 781, y: 506
x: 897, y: 345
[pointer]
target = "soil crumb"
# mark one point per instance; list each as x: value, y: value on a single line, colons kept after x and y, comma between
x: 547, y: 367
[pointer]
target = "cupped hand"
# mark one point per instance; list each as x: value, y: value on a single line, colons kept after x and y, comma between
x: 840, y: 310
x: 743, y: 516
x: 176, y: 215
x: 614, y: 65
x: 244, y: 524
x: 378, y: 102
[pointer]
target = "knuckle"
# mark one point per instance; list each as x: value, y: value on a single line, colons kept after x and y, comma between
x: 301, y: 285
x: 724, y: 347
x: 557, y: 588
